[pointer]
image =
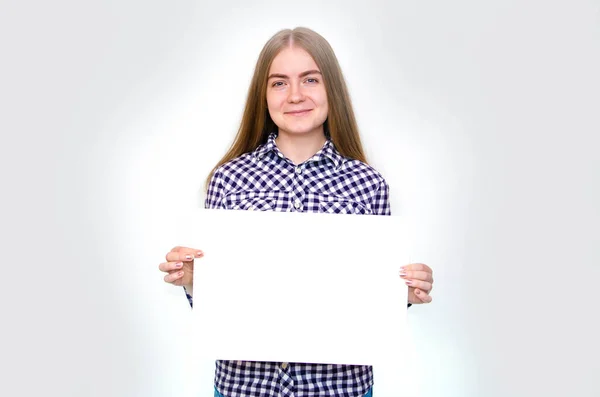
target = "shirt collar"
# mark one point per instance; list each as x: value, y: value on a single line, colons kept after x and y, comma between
x: 327, y: 151
x: 267, y: 147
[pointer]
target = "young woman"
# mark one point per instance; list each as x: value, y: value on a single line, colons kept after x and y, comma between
x: 298, y: 149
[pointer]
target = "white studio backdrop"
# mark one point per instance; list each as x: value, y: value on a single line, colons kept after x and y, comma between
x: 482, y: 116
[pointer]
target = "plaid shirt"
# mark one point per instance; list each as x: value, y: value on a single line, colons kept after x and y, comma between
x: 265, y: 180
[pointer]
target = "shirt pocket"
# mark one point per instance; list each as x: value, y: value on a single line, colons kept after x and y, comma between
x: 253, y: 204
x: 343, y: 207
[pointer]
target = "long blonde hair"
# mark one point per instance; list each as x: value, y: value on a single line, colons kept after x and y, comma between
x: 340, y: 125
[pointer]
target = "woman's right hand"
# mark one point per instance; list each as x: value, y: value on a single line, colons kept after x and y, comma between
x: 180, y: 266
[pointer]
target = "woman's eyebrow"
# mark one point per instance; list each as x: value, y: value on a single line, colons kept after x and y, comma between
x: 283, y: 76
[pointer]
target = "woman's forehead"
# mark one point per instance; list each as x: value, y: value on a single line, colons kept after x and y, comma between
x: 292, y: 61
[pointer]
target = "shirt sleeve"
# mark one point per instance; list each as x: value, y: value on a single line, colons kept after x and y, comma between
x: 216, y: 192
x: 381, y: 201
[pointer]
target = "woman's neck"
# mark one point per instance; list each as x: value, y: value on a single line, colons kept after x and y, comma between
x: 300, y: 147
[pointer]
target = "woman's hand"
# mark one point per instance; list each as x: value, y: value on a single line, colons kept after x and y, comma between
x: 419, y: 278
x: 180, y: 266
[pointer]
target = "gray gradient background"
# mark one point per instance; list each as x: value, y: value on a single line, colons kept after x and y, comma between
x: 483, y: 116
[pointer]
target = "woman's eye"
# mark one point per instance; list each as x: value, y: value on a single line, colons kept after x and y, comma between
x: 312, y: 80
x: 277, y: 84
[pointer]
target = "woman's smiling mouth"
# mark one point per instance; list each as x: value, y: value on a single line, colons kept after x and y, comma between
x: 298, y: 112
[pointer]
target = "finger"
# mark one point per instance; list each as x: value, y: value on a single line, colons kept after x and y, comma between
x: 422, y: 285
x: 170, y: 266
x: 423, y: 296
x: 184, y: 255
x: 417, y: 275
x: 173, y: 276
x: 417, y: 266
x: 185, y: 249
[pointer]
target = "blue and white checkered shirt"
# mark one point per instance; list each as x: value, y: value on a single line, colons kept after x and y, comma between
x: 265, y: 180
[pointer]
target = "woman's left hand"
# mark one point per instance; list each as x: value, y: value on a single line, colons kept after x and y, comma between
x: 419, y: 278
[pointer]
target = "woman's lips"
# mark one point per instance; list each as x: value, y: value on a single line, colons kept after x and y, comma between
x: 298, y: 112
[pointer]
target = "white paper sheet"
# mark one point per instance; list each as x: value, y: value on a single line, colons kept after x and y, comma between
x: 290, y: 287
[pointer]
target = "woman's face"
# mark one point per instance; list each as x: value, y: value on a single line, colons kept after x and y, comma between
x: 296, y: 95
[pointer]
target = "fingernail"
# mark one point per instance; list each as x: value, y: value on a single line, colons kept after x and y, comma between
x: 418, y: 292
x: 402, y: 273
x: 188, y: 257
x: 408, y: 282
x: 199, y: 253
x: 178, y: 264
x: 180, y: 274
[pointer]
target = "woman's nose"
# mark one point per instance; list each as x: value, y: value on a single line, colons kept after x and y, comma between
x: 295, y: 93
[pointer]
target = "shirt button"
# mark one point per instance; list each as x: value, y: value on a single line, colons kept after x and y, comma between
x: 297, y: 204
x: 284, y: 365
x: 298, y: 170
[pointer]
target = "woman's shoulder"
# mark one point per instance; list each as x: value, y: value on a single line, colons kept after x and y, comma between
x: 236, y: 165
x: 362, y: 170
